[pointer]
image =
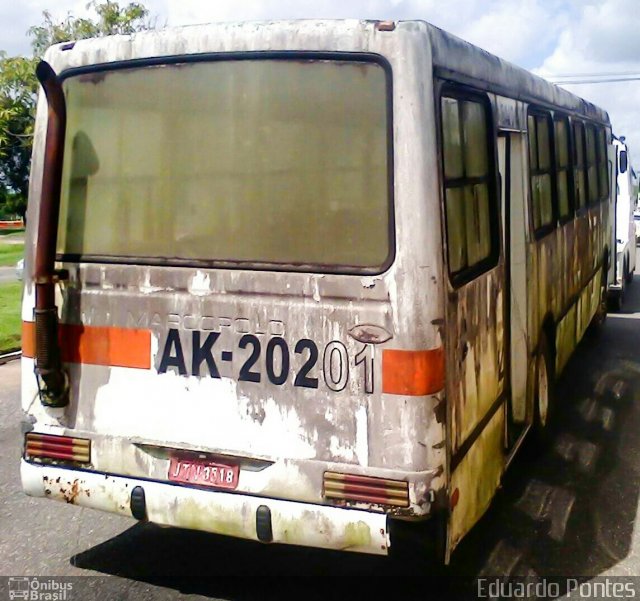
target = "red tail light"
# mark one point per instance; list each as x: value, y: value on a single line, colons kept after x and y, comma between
x: 366, y: 489
x: 65, y: 448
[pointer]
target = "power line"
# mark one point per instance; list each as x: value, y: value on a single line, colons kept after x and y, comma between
x: 607, y: 74
x: 591, y: 81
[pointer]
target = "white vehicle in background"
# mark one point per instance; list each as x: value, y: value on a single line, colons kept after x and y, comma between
x: 625, y: 224
x: 20, y: 269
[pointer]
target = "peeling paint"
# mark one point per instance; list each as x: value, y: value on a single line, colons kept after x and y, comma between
x: 369, y: 282
x: 362, y: 436
x: 200, y: 284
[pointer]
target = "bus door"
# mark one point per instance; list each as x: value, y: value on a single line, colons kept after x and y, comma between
x: 475, y: 309
x: 511, y: 164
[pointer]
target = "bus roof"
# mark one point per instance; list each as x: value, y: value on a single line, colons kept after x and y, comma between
x: 450, y: 53
x: 452, y: 56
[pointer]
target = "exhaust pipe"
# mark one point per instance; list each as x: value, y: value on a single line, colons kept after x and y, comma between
x: 53, y: 382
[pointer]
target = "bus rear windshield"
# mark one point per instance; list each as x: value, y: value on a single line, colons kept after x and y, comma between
x: 265, y: 161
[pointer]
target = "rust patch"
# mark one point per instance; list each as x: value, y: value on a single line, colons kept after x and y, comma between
x: 71, y: 495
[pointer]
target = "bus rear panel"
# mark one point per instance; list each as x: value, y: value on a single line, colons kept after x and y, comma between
x: 238, y: 318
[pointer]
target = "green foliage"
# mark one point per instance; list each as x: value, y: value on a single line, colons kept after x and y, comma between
x: 19, y: 87
x: 112, y: 19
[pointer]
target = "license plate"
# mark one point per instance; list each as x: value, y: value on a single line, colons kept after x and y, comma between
x: 203, y: 472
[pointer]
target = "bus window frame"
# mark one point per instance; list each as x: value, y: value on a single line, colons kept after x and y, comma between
x: 544, y: 230
x: 284, y: 55
x: 601, y: 129
x: 463, y: 92
x: 563, y: 117
x: 590, y: 126
x: 579, y: 211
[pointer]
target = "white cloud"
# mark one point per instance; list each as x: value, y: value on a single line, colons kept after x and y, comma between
x: 604, y: 39
x: 560, y: 36
x: 519, y: 32
x: 16, y: 17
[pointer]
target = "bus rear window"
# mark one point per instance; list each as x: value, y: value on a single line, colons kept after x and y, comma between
x: 265, y: 162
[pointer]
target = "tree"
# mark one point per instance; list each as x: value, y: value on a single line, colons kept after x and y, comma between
x: 112, y: 19
x: 19, y: 87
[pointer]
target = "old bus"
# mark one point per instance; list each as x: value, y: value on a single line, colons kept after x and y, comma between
x: 625, y: 228
x: 302, y: 282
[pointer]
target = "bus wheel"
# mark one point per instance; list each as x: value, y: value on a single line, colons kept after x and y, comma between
x: 544, y: 399
x: 616, y: 300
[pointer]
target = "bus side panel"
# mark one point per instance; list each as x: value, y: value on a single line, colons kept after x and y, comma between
x: 475, y: 355
x: 574, y: 248
x: 476, y: 478
x: 475, y: 385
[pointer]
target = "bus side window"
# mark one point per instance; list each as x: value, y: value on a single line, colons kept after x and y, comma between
x: 561, y: 127
x: 579, y: 165
x: 540, y: 166
x: 467, y: 179
x: 603, y: 171
x: 592, y: 168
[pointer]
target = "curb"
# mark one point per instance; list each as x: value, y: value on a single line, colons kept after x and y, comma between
x: 10, y: 356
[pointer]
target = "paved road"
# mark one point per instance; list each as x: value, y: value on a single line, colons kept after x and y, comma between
x: 8, y: 274
x: 571, y: 512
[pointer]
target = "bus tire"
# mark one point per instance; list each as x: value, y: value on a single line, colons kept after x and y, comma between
x: 616, y: 300
x: 424, y: 540
x: 600, y: 316
x: 544, y: 399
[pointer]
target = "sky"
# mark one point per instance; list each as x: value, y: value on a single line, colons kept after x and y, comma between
x: 550, y: 37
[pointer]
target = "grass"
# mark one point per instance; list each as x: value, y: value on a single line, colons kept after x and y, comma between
x: 11, y: 247
x: 10, y: 322
x: 10, y: 254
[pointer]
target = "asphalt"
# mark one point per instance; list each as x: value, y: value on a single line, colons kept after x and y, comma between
x: 571, y: 512
x: 8, y: 274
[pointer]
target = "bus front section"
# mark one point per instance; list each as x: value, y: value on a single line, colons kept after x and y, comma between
x: 231, y: 307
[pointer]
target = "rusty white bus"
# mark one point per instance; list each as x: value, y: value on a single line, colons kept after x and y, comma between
x: 302, y: 282
x: 625, y: 228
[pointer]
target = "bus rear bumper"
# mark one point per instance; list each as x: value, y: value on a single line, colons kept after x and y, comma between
x: 213, y: 511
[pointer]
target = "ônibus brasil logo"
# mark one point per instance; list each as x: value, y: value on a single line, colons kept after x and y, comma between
x: 31, y: 588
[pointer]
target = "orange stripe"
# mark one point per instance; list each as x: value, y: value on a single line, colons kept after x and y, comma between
x: 28, y: 339
x: 118, y: 347
x: 413, y: 373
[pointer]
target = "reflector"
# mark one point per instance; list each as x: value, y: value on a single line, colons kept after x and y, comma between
x: 367, y: 489
x: 50, y: 446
